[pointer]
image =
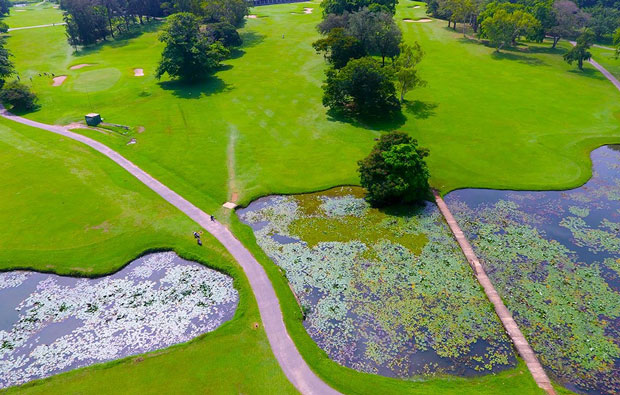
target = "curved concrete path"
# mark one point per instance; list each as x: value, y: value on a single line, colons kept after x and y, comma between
x: 502, y: 312
x: 291, y: 362
x: 602, y: 69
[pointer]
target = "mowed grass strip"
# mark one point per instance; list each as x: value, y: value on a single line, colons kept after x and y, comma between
x: 33, y: 15
x: 65, y: 208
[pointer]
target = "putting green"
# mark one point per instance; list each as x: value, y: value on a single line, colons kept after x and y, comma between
x: 96, y: 80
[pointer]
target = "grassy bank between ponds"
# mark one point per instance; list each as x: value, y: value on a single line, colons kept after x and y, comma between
x: 54, y: 190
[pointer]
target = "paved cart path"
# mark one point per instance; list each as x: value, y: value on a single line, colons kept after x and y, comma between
x: 36, y: 26
x: 504, y: 315
x: 291, y: 362
x: 602, y: 69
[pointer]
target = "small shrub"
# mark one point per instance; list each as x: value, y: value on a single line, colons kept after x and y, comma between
x: 18, y: 96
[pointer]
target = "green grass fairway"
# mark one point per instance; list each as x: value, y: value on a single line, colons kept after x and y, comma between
x: 67, y: 209
x: 521, y: 119
x: 34, y: 14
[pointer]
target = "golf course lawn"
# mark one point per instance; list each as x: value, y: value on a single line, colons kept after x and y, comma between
x: 34, y: 14
x: 66, y: 209
x: 520, y: 119
x: 607, y: 59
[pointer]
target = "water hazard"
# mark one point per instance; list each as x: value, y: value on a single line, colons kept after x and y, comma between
x: 383, y: 293
x: 555, y: 259
x: 50, y: 324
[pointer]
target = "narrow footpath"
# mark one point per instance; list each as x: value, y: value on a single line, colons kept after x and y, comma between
x: 283, y: 347
x: 504, y: 315
x: 36, y: 26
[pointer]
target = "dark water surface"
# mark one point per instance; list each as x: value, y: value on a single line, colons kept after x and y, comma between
x: 50, y: 324
x: 555, y: 259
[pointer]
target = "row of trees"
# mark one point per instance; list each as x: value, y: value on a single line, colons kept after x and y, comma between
x: 355, y: 36
x: 502, y: 21
x: 90, y: 21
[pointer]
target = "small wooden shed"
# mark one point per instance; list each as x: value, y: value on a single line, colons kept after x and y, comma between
x: 93, y: 119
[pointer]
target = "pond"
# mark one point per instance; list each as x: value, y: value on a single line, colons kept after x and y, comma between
x: 50, y: 324
x: 384, y: 292
x: 554, y: 257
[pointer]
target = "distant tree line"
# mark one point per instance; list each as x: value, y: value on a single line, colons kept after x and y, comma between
x: 92, y: 21
x: 370, y: 66
x: 504, y: 21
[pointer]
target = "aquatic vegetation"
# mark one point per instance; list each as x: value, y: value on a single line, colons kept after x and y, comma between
x: 63, y: 323
x: 555, y: 259
x: 386, y: 293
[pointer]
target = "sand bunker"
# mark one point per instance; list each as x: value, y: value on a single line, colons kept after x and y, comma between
x: 252, y: 16
x: 308, y: 10
x: 416, y: 6
x: 423, y: 20
x: 138, y: 72
x: 59, y: 80
x: 79, y: 66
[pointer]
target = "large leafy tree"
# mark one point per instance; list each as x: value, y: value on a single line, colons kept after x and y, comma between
x: 7, y: 68
x: 406, y: 73
x: 580, y: 50
x: 395, y: 171
x: 230, y: 11
x: 339, y: 47
x: 189, y: 53
x: 341, y: 6
x: 568, y: 19
x: 223, y: 32
x: 503, y: 28
x: 5, y: 7
x: 18, y: 96
x: 362, y: 88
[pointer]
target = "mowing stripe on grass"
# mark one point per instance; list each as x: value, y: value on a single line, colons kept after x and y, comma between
x: 291, y: 362
x: 504, y: 315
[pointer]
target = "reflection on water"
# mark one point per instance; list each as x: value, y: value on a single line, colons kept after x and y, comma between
x: 50, y: 324
x: 555, y: 259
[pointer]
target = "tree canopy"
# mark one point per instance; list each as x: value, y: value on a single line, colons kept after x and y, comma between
x: 362, y: 88
x: 406, y: 73
x: 190, y: 54
x: 18, y: 96
x: 580, y: 51
x: 503, y: 28
x: 7, y: 68
x: 339, y: 47
x: 395, y: 171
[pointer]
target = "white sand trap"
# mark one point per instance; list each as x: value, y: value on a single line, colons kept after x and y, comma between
x: 252, y: 16
x: 416, y: 6
x: 138, y: 72
x: 229, y: 205
x: 79, y: 66
x: 59, y: 80
x: 423, y: 20
x: 308, y: 10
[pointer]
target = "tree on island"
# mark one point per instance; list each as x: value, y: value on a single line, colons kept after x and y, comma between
x: 362, y: 88
x: 579, y: 52
x: 395, y: 171
x: 407, y: 76
x: 189, y: 53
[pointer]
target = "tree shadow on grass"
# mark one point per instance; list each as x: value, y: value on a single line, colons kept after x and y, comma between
x: 589, y: 72
x: 392, y: 122
x: 249, y: 39
x: 120, y: 40
x: 195, y: 89
x: 420, y: 109
x: 529, y: 60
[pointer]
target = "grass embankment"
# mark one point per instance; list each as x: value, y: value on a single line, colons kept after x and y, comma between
x: 67, y: 209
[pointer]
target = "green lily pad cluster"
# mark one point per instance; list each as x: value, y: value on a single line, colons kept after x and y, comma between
x: 554, y: 257
x: 385, y: 292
